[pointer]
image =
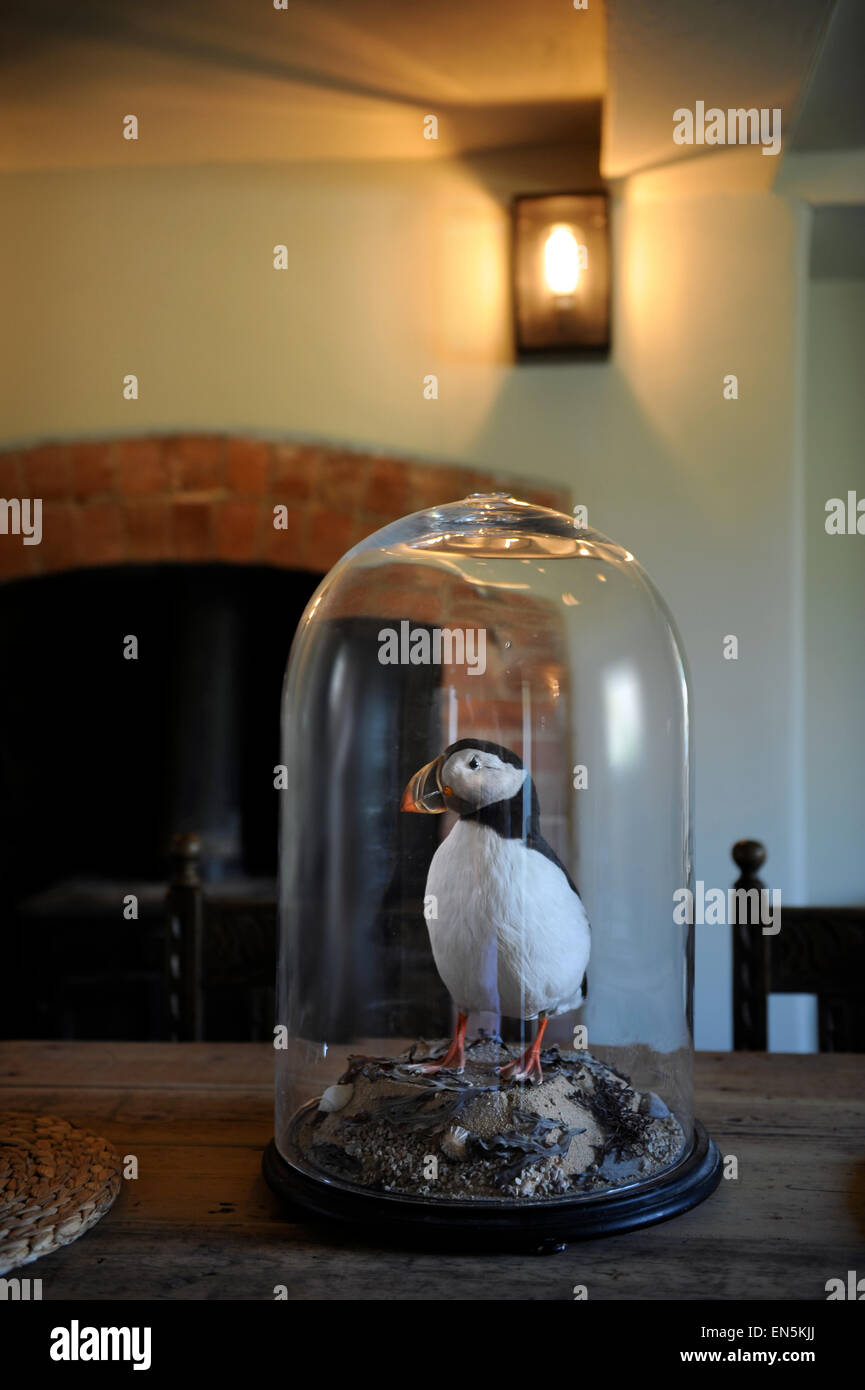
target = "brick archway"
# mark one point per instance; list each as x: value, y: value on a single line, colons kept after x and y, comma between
x: 194, y: 497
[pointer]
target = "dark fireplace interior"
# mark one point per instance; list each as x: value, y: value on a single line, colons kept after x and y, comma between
x: 103, y: 759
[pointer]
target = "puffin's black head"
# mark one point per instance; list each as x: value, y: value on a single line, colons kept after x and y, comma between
x: 469, y: 777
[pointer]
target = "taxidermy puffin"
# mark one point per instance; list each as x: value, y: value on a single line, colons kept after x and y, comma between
x: 510, y: 934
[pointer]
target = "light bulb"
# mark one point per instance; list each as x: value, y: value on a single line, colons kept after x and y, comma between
x: 561, y: 261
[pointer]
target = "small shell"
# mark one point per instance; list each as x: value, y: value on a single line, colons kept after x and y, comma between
x: 453, y: 1143
x: 654, y: 1106
x: 336, y: 1098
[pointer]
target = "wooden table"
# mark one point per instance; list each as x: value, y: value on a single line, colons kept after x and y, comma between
x: 199, y: 1222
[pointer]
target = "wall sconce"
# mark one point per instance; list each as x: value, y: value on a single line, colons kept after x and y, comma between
x: 561, y: 268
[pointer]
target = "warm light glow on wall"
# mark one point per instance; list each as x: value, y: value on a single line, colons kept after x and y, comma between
x: 561, y: 274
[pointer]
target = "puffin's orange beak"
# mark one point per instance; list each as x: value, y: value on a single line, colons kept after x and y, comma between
x: 424, y: 791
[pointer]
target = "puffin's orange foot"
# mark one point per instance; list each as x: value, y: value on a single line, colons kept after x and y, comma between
x: 455, y: 1057
x: 527, y: 1068
x: 430, y: 1068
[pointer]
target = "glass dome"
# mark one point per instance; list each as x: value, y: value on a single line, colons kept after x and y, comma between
x: 484, y: 985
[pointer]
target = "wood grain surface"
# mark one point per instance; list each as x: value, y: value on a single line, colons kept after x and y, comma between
x: 200, y: 1223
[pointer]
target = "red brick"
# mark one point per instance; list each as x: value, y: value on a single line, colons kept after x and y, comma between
x: 388, y: 490
x: 418, y: 608
x: 142, y: 465
x: 191, y: 531
x: 16, y: 559
x: 11, y: 474
x: 102, y: 533
x: 147, y: 530
x: 286, y: 547
x: 330, y: 535
x: 342, y: 480
x: 92, y: 469
x: 389, y: 591
x: 195, y: 461
x: 60, y: 547
x: 47, y: 471
x: 236, y: 529
x: 355, y: 597
x: 295, y: 472
x: 248, y: 465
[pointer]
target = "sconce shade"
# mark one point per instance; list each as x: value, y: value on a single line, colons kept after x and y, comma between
x: 561, y: 264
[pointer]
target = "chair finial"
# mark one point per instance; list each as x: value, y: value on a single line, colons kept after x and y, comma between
x: 749, y: 856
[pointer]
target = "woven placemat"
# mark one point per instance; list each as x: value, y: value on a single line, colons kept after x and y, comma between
x: 56, y: 1181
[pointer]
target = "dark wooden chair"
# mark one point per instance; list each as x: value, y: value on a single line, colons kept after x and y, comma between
x: 220, y: 958
x: 818, y: 950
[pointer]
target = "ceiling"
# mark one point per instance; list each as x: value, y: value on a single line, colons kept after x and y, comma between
x: 231, y: 81
x: 666, y: 54
x: 223, y: 80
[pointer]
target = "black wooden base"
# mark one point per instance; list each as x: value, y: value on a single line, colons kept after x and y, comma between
x: 543, y: 1227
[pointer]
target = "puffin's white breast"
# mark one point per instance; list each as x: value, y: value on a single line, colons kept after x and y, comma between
x: 510, y: 935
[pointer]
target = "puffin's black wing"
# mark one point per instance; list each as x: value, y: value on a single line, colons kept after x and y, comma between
x: 517, y: 819
x: 535, y: 840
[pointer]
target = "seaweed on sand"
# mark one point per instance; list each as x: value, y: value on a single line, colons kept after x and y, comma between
x: 331, y: 1156
x: 624, y: 1129
x: 415, y: 1114
x: 521, y: 1148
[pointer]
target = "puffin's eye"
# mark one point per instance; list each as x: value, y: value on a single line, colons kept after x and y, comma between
x: 474, y: 764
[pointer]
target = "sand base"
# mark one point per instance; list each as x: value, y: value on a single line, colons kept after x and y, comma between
x: 583, y: 1129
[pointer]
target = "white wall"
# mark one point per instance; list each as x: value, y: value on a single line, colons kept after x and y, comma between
x: 835, y: 610
x: 398, y: 270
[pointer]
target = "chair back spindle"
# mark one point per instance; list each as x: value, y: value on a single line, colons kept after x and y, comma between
x: 817, y: 950
x: 184, y: 942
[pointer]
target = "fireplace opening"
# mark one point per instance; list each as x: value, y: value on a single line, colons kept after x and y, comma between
x: 108, y: 747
